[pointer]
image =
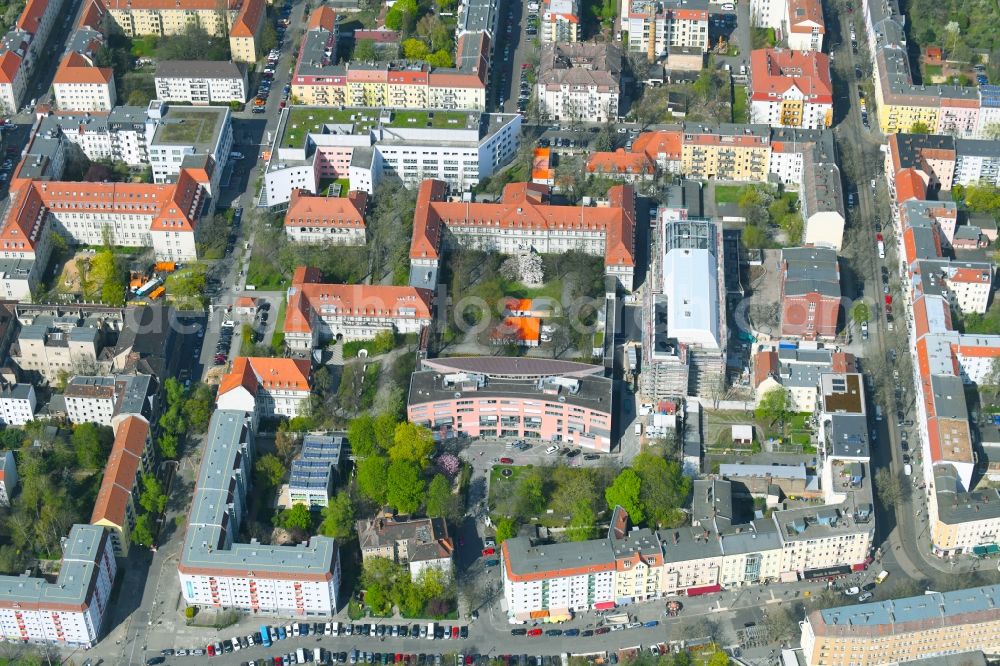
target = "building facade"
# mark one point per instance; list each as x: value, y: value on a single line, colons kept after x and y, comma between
x: 904, y: 630
x: 579, y: 81
x: 560, y: 21
x: 17, y: 404
x: 419, y: 543
x: 810, y: 293
x: 200, y: 83
x: 318, y: 219
x: 790, y: 88
x: 131, y: 457
x: 266, y: 387
x: 318, y: 312
x: 69, y: 612
x: 656, y: 26
x: 8, y: 477
x: 539, y: 400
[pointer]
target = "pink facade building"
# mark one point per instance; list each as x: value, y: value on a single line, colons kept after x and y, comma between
x: 517, y: 398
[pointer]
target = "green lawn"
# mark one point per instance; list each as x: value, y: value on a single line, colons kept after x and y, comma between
x: 500, y: 483
x: 189, y: 126
x: 930, y: 71
x: 144, y: 47
x: 264, y: 277
x: 278, y: 337
x: 728, y: 193
x: 309, y: 119
x: 741, y: 112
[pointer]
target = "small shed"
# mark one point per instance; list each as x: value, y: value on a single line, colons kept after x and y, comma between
x: 743, y: 435
x: 933, y: 55
x: 245, y: 306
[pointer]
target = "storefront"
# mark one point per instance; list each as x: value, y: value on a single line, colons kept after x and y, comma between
x: 705, y: 589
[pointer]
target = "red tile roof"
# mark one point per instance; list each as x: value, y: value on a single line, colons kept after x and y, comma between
x: 323, y: 18
x: 620, y: 163
x: 248, y: 21
x: 252, y: 373
x: 909, y: 185
x: 311, y: 298
x: 654, y: 144
x: 77, y: 69
x: 318, y: 211
x: 521, y: 208
x: 774, y: 72
x: 10, y: 62
x: 121, y: 471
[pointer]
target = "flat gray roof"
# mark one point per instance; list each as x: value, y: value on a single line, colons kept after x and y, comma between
x: 198, y: 69
x: 895, y: 615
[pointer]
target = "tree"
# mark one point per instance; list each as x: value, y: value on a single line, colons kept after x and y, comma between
x: 414, y: 49
x: 719, y: 658
x: 506, y: 529
x: 860, y: 312
x: 780, y: 624
x: 528, y: 497
x: 773, y: 406
x: 268, y: 37
x: 412, y: 443
x: 755, y: 237
x: 581, y: 525
x: 364, y: 49
x: 920, y: 127
x: 440, y: 500
x: 663, y: 489
x: 371, y: 477
x: 338, y: 517
x: 298, y: 518
x: 198, y: 408
x: 440, y: 58
x: 890, y: 490
x: 152, y: 499
x: 142, y: 533
x: 270, y: 470
x: 167, y: 445
x: 92, y: 443
x: 385, y: 430
x: 286, y: 443
x: 604, y: 142
x: 624, y: 492
x: 361, y: 435
x: 573, y: 488
x: 406, y: 486
x: 322, y: 381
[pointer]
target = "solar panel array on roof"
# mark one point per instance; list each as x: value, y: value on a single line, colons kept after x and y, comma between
x: 990, y: 95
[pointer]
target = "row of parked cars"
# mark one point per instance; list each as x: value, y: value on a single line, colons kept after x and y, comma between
x: 264, y: 89
x: 583, y: 632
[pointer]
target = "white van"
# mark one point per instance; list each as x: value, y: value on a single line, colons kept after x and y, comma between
x: 430, y: 631
x: 638, y: 429
x: 907, y: 469
x: 300, y: 656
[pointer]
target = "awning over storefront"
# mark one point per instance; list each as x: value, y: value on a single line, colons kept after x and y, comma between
x: 985, y: 551
x: 604, y: 605
x: 859, y: 567
x: 705, y: 589
x: 827, y: 572
x: 538, y: 615
x: 559, y: 616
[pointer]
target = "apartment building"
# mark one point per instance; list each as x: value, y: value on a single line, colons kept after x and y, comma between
x: 80, y: 86
x: 536, y: 399
x: 200, y: 83
x: 246, y: 30
x: 177, y: 136
x: 790, y: 88
x: 320, y: 80
x: 942, y: 109
x: 419, y: 543
x: 8, y: 477
x: 821, y: 194
x: 266, y: 387
x: 338, y: 220
x: 523, y: 220
x: 315, y: 470
x: 657, y: 26
x: 976, y: 162
x: 726, y: 152
x: 313, y: 144
x: 47, y: 346
x: 300, y: 580
x: 810, y: 293
x: 800, y: 22
x: 17, y: 404
x: 22, y: 48
x: 684, y: 339
x: 70, y: 611
x: 579, y: 81
x: 171, y: 17
x: 108, y: 399
x: 560, y: 21
x: 926, y: 627
x: 131, y: 457
x: 318, y: 312
x: 799, y: 372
